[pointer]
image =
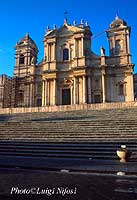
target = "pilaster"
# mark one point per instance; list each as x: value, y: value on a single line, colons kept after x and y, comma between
x: 74, y: 90
x: 54, y: 92
x: 89, y: 89
x: 84, y: 89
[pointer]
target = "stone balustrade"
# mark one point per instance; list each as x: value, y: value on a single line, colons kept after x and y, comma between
x: 68, y: 107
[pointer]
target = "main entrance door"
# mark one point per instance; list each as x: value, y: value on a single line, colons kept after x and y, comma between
x: 97, y: 99
x: 66, y: 96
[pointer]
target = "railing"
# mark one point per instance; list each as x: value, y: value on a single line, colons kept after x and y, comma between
x: 69, y: 107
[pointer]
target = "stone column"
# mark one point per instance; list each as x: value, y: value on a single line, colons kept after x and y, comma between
x: 31, y: 94
x: 71, y: 90
x: 17, y: 60
x: 128, y: 45
x: 89, y: 89
x: 54, y: 51
x: 46, y: 93
x: 128, y: 49
x: 132, y: 89
x: 54, y: 92
x: 103, y: 89
x: 48, y: 50
x: 82, y: 46
x: 43, y: 93
x: 113, y: 46
x: 84, y: 89
x: 74, y: 90
x: 75, y: 48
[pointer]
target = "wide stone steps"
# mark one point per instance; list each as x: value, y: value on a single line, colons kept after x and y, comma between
x: 66, y: 150
x: 107, y: 114
x: 76, y: 134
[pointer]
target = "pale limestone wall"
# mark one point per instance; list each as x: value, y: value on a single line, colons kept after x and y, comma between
x: 129, y: 88
x: 63, y: 43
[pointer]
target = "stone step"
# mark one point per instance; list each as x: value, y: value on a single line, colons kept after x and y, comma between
x: 76, y: 144
x: 92, y: 147
x: 65, y: 155
x: 71, y: 140
x: 62, y: 151
x: 67, y: 139
x: 71, y: 134
x: 75, y: 133
x: 59, y: 155
x: 70, y: 127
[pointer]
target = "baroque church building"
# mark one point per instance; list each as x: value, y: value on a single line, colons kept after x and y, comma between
x: 70, y: 73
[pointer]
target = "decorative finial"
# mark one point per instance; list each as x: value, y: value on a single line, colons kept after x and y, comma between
x: 27, y: 34
x: 54, y: 26
x: 47, y: 28
x: 74, y: 22
x: 102, y: 51
x: 82, y: 21
x: 65, y: 16
x: 116, y: 16
x: 86, y: 23
x: 65, y: 20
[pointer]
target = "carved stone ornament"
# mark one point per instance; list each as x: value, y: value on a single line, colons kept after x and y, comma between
x: 65, y: 83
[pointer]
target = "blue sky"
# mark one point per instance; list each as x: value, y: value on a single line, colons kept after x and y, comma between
x: 32, y: 16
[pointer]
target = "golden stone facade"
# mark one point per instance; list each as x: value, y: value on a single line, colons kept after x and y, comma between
x: 70, y: 73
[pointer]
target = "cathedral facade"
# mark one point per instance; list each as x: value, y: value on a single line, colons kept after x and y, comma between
x: 70, y: 73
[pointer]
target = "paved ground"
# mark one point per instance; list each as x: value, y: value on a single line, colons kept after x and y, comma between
x: 85, y: 180
x: 79, y: 186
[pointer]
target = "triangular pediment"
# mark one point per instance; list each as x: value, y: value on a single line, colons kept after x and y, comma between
x: 65, y: 30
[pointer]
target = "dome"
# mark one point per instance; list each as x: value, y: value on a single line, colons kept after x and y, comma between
x: 117, y: 23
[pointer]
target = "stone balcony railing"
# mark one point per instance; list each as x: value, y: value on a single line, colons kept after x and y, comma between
x: 69, y: 107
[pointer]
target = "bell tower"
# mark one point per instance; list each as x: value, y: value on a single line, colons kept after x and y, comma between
x: 118, y: 36
x: 119, y: 74
x: 25, y: 56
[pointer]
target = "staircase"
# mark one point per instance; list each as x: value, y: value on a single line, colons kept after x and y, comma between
x: 93, y: 134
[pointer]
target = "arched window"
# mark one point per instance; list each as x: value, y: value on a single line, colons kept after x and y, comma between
x: 65, y: 54
x: 117, y: 46
x: 21, y: 59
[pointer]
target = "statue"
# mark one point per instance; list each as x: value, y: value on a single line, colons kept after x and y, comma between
x: 33, y: 60
x: 102, y: 51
